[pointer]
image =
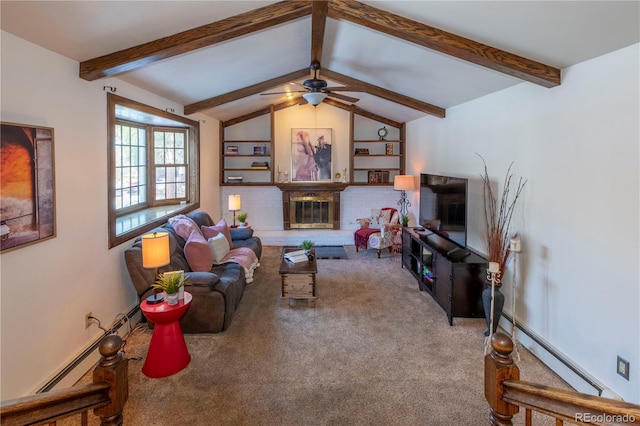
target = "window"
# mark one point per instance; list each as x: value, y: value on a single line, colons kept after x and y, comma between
x: 153, y: 167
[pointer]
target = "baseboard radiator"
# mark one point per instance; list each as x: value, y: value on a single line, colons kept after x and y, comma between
x: 507, y: 394
x: 107, y: 394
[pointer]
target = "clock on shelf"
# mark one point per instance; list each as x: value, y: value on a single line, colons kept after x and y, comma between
x: 382, y: 133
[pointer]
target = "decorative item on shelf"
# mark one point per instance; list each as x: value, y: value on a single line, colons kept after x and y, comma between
x: 404, y: 219
x: 260, y: 165
x: 344, y: 175
x: 382, y: 133
x: 155, y: 254
x: 403, y: 183
x: 260, y: 150
x: 170, y: 283
x: 389, y: 148
x: 235, y: 204
x: 379, y: 176
x: 242, y: 219
x: 362, y: 151
x: 497, y: 240
x: 232, y: 150
x: 337, y: 176
x: 234, y: 179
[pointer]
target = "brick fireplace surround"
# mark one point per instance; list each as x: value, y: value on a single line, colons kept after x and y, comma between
x: 264, y: 204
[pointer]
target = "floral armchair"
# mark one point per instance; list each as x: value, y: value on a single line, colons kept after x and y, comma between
x: 376, y: 231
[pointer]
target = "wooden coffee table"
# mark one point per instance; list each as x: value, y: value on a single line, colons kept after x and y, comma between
x: 298, y: 279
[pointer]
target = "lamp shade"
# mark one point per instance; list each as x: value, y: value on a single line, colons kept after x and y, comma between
x: 403, y: 182
x: 235, y: 202
x: 314, y: 98
x: 155, y: 250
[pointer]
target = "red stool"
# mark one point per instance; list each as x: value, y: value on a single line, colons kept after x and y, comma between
x: 168, y: 351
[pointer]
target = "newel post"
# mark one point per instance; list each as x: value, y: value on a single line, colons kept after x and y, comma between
x: 499, y: 366
x: 113, y: 369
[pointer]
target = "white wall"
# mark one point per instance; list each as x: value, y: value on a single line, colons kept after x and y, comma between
x: 578, y: 146
x: 47, y: 288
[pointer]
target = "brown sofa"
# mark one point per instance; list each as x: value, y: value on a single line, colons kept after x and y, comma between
x: 216, y: 294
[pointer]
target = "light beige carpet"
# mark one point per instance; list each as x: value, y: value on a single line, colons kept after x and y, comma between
x: 374, y: 351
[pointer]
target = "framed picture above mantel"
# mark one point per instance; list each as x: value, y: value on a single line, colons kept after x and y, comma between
x: 27, y: 185
x: 311, y: 159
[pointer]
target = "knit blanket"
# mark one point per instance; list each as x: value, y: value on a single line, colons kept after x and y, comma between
x: 246, y: 258
x: 361, y: 237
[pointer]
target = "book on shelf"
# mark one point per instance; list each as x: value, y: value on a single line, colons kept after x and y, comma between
x: 234, y: 179
x: 296, y: 256
x: 232, y: 150
x: 378, y: 176
x: 260, y: 150
x: 362, y: 151
x: 261, y: 165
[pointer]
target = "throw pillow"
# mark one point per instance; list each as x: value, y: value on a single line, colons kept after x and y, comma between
x: 220, y: 227
x: 395, y: 219
x: 364, y: 223
x: 379, y: 217
x: 184, y: 225
x: 198, y: 253
x: 219, y: 247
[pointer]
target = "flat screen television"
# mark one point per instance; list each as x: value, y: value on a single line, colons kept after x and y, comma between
x: 443, y: 206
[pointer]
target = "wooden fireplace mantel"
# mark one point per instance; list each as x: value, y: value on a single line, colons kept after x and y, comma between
x: 312, y: 186
x: 317, y: 187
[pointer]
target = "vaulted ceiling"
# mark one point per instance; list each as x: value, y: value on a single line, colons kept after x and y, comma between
x: 407, y: 58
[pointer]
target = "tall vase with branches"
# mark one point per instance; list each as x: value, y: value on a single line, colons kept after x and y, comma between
x: 498, y: 215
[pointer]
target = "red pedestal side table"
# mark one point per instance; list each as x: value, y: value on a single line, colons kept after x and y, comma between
x: 168, y: 351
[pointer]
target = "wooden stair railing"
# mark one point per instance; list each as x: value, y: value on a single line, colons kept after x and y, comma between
x: 506, y: 393
x: 106, y: 395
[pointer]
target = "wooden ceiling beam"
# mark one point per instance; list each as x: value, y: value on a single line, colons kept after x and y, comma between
x: 245, y: 91
x: 445, y: 42
x: 386, y: 94
x: 193, y: 39
x: 318, y: 23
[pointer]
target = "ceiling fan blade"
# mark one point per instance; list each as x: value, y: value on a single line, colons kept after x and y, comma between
x: 345, y: 89
x: 303, y: 101
x: 283, y: 93
x: 343, y: 97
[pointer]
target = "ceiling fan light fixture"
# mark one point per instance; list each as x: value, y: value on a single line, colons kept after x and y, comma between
x: 314, y: 98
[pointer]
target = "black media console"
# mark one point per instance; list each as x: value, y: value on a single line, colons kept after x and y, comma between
x: 453, y: 275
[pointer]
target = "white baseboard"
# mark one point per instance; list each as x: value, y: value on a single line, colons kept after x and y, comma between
x: 575, y: 376
x: 89, y: 357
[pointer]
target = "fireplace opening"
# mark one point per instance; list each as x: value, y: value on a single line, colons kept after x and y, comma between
x: 311, y: 205
x: 313, y: 211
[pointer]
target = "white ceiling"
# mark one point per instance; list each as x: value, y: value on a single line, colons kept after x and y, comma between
x: 558, y: 34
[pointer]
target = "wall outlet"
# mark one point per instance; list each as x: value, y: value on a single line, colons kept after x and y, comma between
x: 87, y: 320
x: 623, y: 368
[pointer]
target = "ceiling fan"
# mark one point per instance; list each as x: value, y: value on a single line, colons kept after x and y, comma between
x: 316, y: 90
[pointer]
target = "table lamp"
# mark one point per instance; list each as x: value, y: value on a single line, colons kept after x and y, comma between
x: 235, y: 203
x: 155, y: 253
x: 403, y: 183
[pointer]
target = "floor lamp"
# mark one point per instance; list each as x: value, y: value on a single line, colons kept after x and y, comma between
x: 155, y: 253
x: 235, y: 204
x: 403, y: 183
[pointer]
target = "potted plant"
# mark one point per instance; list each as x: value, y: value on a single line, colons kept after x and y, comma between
x: 405, y: 220
x: 242, y: 218
x: 497, y: 215
x: 306, y: 246
x: 171, y: 283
